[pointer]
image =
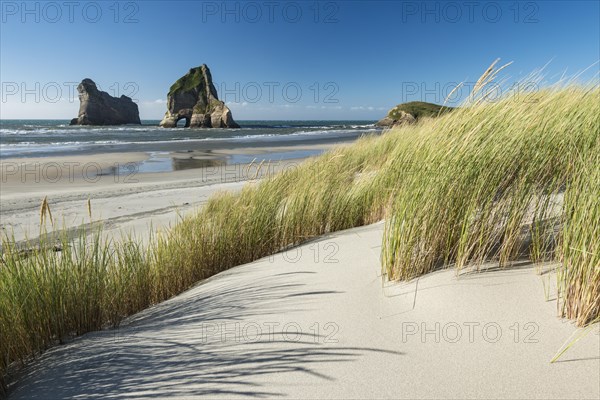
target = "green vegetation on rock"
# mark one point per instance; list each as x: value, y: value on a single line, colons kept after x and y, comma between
x: 194, y: 78
x: 194, y: 97
x: 418, y: 109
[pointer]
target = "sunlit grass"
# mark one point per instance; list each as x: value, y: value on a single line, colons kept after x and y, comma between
x: 487, y: 183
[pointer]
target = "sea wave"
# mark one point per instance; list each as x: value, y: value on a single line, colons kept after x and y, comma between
x: 21, y: 139
x: 283, y: 136
x: 69, y: 143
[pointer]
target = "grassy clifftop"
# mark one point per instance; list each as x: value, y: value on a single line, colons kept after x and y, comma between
x: 418, y: 109
x: 194, y: 78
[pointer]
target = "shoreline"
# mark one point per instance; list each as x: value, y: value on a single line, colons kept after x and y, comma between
x: 130, y: 192
x: 115, y: 140
x: 187, y: 145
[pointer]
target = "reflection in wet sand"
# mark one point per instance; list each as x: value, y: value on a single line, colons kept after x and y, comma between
x: 194, y: 159
x: 179, y: 164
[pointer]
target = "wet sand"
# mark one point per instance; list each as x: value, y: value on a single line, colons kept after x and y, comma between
x: 130, y: 192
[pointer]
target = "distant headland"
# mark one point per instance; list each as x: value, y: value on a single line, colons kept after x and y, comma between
x: 408, y: 113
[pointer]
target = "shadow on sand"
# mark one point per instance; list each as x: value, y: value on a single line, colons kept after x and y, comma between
x: 182, y: 348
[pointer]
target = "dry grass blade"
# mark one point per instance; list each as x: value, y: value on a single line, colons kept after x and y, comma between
x: 89, y: 208
x: 45, y: 212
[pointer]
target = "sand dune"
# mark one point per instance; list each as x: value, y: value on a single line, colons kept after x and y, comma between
x: 318, y: 321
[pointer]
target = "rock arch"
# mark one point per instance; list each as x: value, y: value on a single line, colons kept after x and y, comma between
x: 194, y: 97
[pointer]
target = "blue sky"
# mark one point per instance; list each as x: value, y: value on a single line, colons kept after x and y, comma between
x: 283, y: 59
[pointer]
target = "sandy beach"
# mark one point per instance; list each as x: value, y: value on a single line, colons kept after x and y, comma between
x: 126, y: 195
x: 319, y: 321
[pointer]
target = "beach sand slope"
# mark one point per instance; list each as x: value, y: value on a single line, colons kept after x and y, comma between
x: 318, y: 321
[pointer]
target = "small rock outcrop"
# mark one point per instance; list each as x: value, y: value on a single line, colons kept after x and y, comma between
x: 400, y: 118
x: 100, y: 108
x: 194, y: 98
x: 409, y: 113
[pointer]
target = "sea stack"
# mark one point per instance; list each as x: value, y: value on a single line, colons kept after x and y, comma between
x: 99, y: 108
x: 193, y: 97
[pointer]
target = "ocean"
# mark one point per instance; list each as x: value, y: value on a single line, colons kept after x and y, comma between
x: 39, y: 138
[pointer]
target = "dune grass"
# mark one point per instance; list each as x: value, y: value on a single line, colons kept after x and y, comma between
x: 579, y: 273
x: 485, y: 176
x: 491, y: 181
x: 488, y: 184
